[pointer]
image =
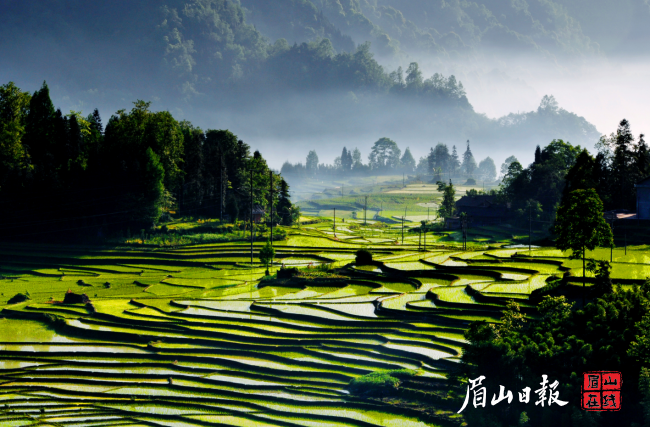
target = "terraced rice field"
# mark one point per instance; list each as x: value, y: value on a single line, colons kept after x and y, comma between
x: 196, y: 336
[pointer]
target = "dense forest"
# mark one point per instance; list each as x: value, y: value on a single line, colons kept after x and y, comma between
x: 68, y: 173
x: 304, y: 67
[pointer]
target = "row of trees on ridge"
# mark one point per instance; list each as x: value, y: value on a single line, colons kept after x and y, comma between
x: 386, y: 157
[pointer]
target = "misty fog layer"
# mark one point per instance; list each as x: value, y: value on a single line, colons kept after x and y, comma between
x: 602, y: 91
x: 201, y: 59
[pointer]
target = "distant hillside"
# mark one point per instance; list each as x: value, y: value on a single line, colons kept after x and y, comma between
x: 545, y: 28
x: 310, y: 72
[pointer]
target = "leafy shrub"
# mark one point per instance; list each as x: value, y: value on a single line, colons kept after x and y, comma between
x: 324, y: 267
x: 287, y: 273
x: 267, y: 253
x: 602, y: 271
x: 18, y: 298
x: 53, y: 319
x: 364, y: 257
x: 379, y: 383
x: 279, y: 234
x: 470, y: 181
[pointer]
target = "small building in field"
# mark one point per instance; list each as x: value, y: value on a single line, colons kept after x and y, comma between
x: 482, y: 209
x: 643, y: 199
x: 258, y: 213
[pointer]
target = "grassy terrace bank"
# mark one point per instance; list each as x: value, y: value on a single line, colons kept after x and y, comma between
x: 196, y: 335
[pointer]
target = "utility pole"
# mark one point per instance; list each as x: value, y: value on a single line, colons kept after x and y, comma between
x: 403, y: 227
x: 251, y: 217
x: 530, y: 227
x: 428, y: 208
x: 611, y: 218
x: 271, y: 195
x: 463, y: 225
x: 403, y: 180
x: 425, y: 236
x: 221, y: 192
x: 334, y: 222
x: 365, y: 209
x: 611, y: 248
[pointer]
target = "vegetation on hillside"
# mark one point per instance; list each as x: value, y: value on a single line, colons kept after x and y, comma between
x: 67, y: 173
x: 204, y: 52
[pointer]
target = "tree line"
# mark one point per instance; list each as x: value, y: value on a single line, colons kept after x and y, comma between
x: 621, y: 161
x: 67, y: 172
x: 386, y: 157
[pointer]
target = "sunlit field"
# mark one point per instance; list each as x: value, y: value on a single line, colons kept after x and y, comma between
x: 197, y: 335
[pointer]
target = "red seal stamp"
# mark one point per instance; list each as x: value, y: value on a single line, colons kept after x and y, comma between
x: 601, y: 391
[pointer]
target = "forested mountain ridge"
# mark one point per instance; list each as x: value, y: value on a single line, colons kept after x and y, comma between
x: 451, y: 28
x: 205, y: 56
x: 199, y: 46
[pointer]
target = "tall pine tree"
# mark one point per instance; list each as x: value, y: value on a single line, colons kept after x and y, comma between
x: 39, y: 131
x: 285, y: 208
x: 454, y: 162
x: 538, y: 155
x: 623, y: 176
x: 407, y: 161
x: 469, y: 164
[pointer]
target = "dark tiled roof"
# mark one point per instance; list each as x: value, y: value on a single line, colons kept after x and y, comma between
x: 481, y: 206
x: 482, y: 201
x: 492, y: 211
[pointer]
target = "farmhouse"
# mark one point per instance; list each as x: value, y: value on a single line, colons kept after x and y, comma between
x: 482, y: 209
x: 258, y: 213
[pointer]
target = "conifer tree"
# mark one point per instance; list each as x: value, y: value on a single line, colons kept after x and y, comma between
x: 407, y: 161
x: 448, y: 205
x: 39, y: 127
x: 153, y: 187
x: 356, y: 156
x: 455, y: 160
x: 469, y: 164
x: 96, y: 122
x: 538, y: 155
x: 13, y: 114
x: 285, y: 208
x: 311, y: 163
x: 642, y: 159
x: 346, y: 160
x: 623, y: 194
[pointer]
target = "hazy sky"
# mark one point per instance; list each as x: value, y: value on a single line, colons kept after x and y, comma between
x: 600, y: 92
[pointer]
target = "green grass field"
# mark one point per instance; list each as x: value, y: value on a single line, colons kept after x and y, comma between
x: 197, y: 336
